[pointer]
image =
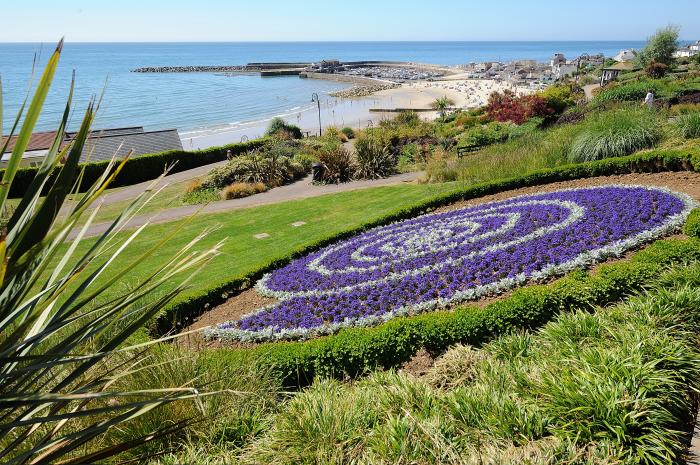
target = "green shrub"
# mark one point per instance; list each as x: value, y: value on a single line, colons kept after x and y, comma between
x: 561, y: 96
x: 407, y: 118
x: 615, y: 134
x: 692, y: 226
x: 278, y: 127
x: 374, y: 157
x: 338, y: 164
x: 272, y: 165
x: 689, y: 125
x: 349, y: 132
x: 481, y: 136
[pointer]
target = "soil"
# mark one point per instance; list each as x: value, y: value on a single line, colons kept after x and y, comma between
x: 420, y: 364
x: 249, y: 300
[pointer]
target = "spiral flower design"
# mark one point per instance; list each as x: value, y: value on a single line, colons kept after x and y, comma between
x: 439, y: 259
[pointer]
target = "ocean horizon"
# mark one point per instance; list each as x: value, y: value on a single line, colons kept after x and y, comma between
x: 194, y: 102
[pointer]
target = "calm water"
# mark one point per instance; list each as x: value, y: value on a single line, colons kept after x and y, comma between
x: 201, y: 100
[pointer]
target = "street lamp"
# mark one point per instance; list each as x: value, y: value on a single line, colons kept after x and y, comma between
x: 314, y: 98
x: 244, y: 138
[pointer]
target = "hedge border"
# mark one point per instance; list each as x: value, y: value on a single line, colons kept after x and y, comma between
x: 189, y: 305
x: 142, y: 168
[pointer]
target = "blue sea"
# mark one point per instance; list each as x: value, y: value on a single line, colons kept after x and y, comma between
x: 192, y: 101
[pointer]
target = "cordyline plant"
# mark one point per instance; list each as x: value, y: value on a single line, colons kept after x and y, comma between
x: 63, y: 345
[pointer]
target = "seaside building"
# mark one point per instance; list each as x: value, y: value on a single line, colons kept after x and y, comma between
x: 688, y: 51
x: 557, y: 59
x: 101, y: 145
x: 626, y: 55
x: 614, y: 71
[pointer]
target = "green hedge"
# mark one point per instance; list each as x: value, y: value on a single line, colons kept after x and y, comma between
x: 144, y: 167
x: 692, y: 226
x: 190, y: 305
x: 355, y: 351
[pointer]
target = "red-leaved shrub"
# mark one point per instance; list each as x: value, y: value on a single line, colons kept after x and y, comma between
x: 506, y: 106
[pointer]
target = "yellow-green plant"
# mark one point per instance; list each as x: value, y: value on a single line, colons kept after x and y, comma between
x: 63, y: 346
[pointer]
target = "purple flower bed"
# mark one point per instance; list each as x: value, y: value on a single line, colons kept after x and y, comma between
x: 439, y: 259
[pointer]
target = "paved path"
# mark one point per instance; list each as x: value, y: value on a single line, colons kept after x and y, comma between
x: 299, y: 190
x: 588, y: 90
x: 694, y: 452
x: 131, y: 192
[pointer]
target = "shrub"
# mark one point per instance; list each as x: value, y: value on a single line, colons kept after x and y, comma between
x: 561, y: 96
x: 506, y: 106
x: 615, y: 134
x: 374, y: 157
x: 338, y: 163
x: 407, y: 118
x: 660, y: 47
x: 689, y: 125
x: 481, y: 136
x: 656, y: 70
x: 239, y: 190
x: 692, y: 226
x: 349, y: 132
x: 278, y: 127
x: 273, y: 165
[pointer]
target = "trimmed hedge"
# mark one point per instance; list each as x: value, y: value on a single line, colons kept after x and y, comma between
x: 142, y: 168
x: 191, y: 304
x: 355, y: 351
x: 692, y: 226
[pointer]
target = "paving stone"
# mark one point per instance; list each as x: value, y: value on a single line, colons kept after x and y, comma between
x: 298, y: 223
x: 262, y: 236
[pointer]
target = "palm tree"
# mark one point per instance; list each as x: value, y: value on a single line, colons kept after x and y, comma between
x: 442, y: 104
x: 63, y: 346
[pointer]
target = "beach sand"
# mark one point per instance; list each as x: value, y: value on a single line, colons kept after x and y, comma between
x: 355, y: 112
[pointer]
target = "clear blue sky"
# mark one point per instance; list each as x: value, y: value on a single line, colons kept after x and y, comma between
x: 304, y: 20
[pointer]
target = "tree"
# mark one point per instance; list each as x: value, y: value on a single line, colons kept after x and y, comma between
x: 442, y: 104
x: 660, y: 47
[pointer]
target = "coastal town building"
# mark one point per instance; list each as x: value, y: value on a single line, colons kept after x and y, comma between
x: 101, y: 145
x: 557, y: 59
x: 688, y: 51
x: 611, y: 73
x: 626, y: 55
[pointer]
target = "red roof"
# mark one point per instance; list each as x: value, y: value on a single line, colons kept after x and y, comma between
x: 38, y: 141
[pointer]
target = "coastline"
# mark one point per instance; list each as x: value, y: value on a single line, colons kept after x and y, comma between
x: 355, y: 112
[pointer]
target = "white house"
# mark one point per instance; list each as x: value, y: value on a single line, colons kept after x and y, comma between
x: 563, y: 70
x: 689, y: 51
x: 695, y: 47
x: 558, y: 58
x: 625, y: 55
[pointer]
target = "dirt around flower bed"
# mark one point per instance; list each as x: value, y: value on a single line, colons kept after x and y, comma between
x: 249, y: 300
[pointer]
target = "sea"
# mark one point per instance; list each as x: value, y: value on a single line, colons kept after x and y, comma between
x: 195, y: 102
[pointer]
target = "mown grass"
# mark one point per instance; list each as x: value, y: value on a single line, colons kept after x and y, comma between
x: 609, y: 387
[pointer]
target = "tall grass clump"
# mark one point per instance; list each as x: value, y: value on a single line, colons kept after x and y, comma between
x: 615, y: 386
x: 374, y: 157
x: 68, y: 357
x: 688, y: 125
x: 615, y: 134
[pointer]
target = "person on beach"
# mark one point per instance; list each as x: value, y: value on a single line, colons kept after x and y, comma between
x: 649, y: 100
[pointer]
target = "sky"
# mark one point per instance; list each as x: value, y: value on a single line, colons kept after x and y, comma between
x: 332, y: 20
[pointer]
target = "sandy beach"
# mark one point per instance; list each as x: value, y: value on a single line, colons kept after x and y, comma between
x: 355, y: 112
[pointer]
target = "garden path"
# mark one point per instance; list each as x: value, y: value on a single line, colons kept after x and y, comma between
x: 299, y: 190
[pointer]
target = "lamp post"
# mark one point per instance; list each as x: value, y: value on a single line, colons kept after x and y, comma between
x: 244, y: 138
x: 314, y: 98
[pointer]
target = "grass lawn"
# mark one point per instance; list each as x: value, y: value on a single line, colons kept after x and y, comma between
x: 242, y: 252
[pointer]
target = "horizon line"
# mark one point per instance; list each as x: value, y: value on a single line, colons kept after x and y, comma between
x: 317, y: 41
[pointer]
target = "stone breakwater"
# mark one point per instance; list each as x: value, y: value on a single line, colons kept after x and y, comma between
x: 193, y: 69
x: 362, y: 91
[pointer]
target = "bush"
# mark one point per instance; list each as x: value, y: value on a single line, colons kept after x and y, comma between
x: 481, y: 136
x: 689, y: 125
x: 692, y: 226
x: 273, y: 165
x: 242, y: 189
x: 506, y: 106
x: 660, y: 47
x: 615, y: 134
x: 349, y: 132
x: 656, y: 70
x: 278, y: 127
x: 407, y: 118
x: 338, y: 163
x: 374, y: 157
x: 561, y: 96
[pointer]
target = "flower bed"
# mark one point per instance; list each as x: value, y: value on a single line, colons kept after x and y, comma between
x: 440, y: 259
